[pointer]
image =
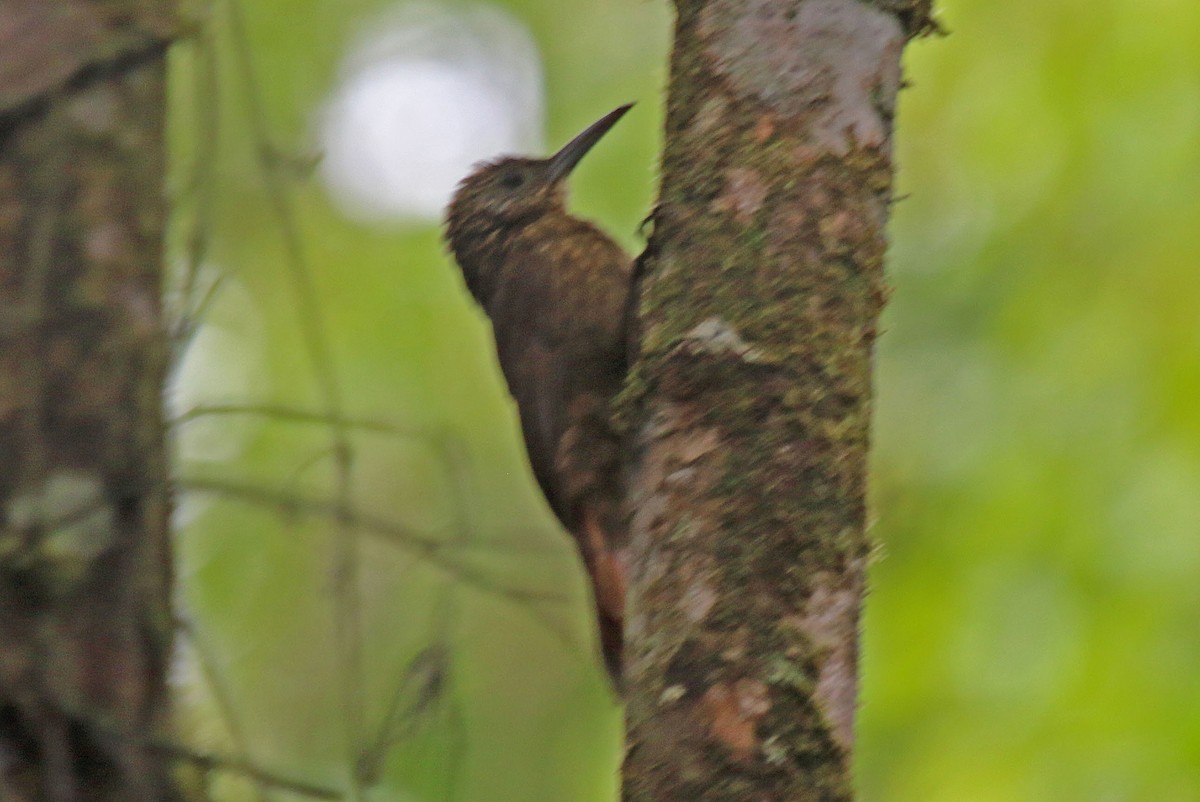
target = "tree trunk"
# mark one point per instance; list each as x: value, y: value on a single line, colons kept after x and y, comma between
x: 85, y: 624
x: 762, y: 285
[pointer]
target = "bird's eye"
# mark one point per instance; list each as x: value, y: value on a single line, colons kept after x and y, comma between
x: 512, y: 180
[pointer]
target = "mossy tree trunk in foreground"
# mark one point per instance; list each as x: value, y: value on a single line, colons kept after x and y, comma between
x: 85, y: 625
x: 762, y: 286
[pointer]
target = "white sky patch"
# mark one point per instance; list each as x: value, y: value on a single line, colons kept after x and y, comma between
x: 426, y: 93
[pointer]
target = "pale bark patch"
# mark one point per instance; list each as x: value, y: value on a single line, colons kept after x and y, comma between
x: 830, y: 621
x: 836, y: 58
x: 744, y: 194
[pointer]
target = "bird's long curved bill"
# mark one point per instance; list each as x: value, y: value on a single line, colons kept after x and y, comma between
x: 563, y: 162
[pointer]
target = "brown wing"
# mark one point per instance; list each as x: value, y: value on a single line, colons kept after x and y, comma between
x: 558, y: 314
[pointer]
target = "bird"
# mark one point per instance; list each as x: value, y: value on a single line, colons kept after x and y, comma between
x: 557, y: 288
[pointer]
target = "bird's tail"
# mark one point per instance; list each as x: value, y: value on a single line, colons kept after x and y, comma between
x: 607, y: 568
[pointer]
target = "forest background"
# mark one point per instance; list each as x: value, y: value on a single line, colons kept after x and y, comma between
x: 1031, y: 628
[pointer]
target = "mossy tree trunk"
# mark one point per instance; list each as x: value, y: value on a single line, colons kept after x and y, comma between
x: 762, y: 285
x: 85, y: 625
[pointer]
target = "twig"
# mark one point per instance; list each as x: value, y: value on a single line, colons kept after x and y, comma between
x: 436, y: 552
x: 207, y: 762
x: 220, y: 693
x: 347, y: 617
x: 285, y: 413
x: 420, y: 686
x: 206, y: 98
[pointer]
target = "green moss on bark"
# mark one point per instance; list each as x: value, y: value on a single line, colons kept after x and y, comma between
x: 750, y: 404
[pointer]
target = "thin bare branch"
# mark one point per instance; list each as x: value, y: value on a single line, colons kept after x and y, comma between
x: 422, y: 684
x: 419, y: 688
x: 208, y: 762
x: 435, y: 552
x: 221, y: 695
x: 285, y: 413
x: 202, y: 182
x: 347, y: 600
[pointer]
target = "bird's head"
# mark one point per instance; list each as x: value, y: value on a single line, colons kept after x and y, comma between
x: 499, y: 197
x: 513, y: 188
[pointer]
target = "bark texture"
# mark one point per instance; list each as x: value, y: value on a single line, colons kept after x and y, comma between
x: 85, y: 625
x: 749, y: 406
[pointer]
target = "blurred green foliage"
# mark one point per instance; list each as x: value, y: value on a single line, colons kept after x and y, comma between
x: 1031, y: 632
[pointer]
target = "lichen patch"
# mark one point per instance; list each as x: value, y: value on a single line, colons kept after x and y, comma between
x: 830, y: 621
x: 838, y: 59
